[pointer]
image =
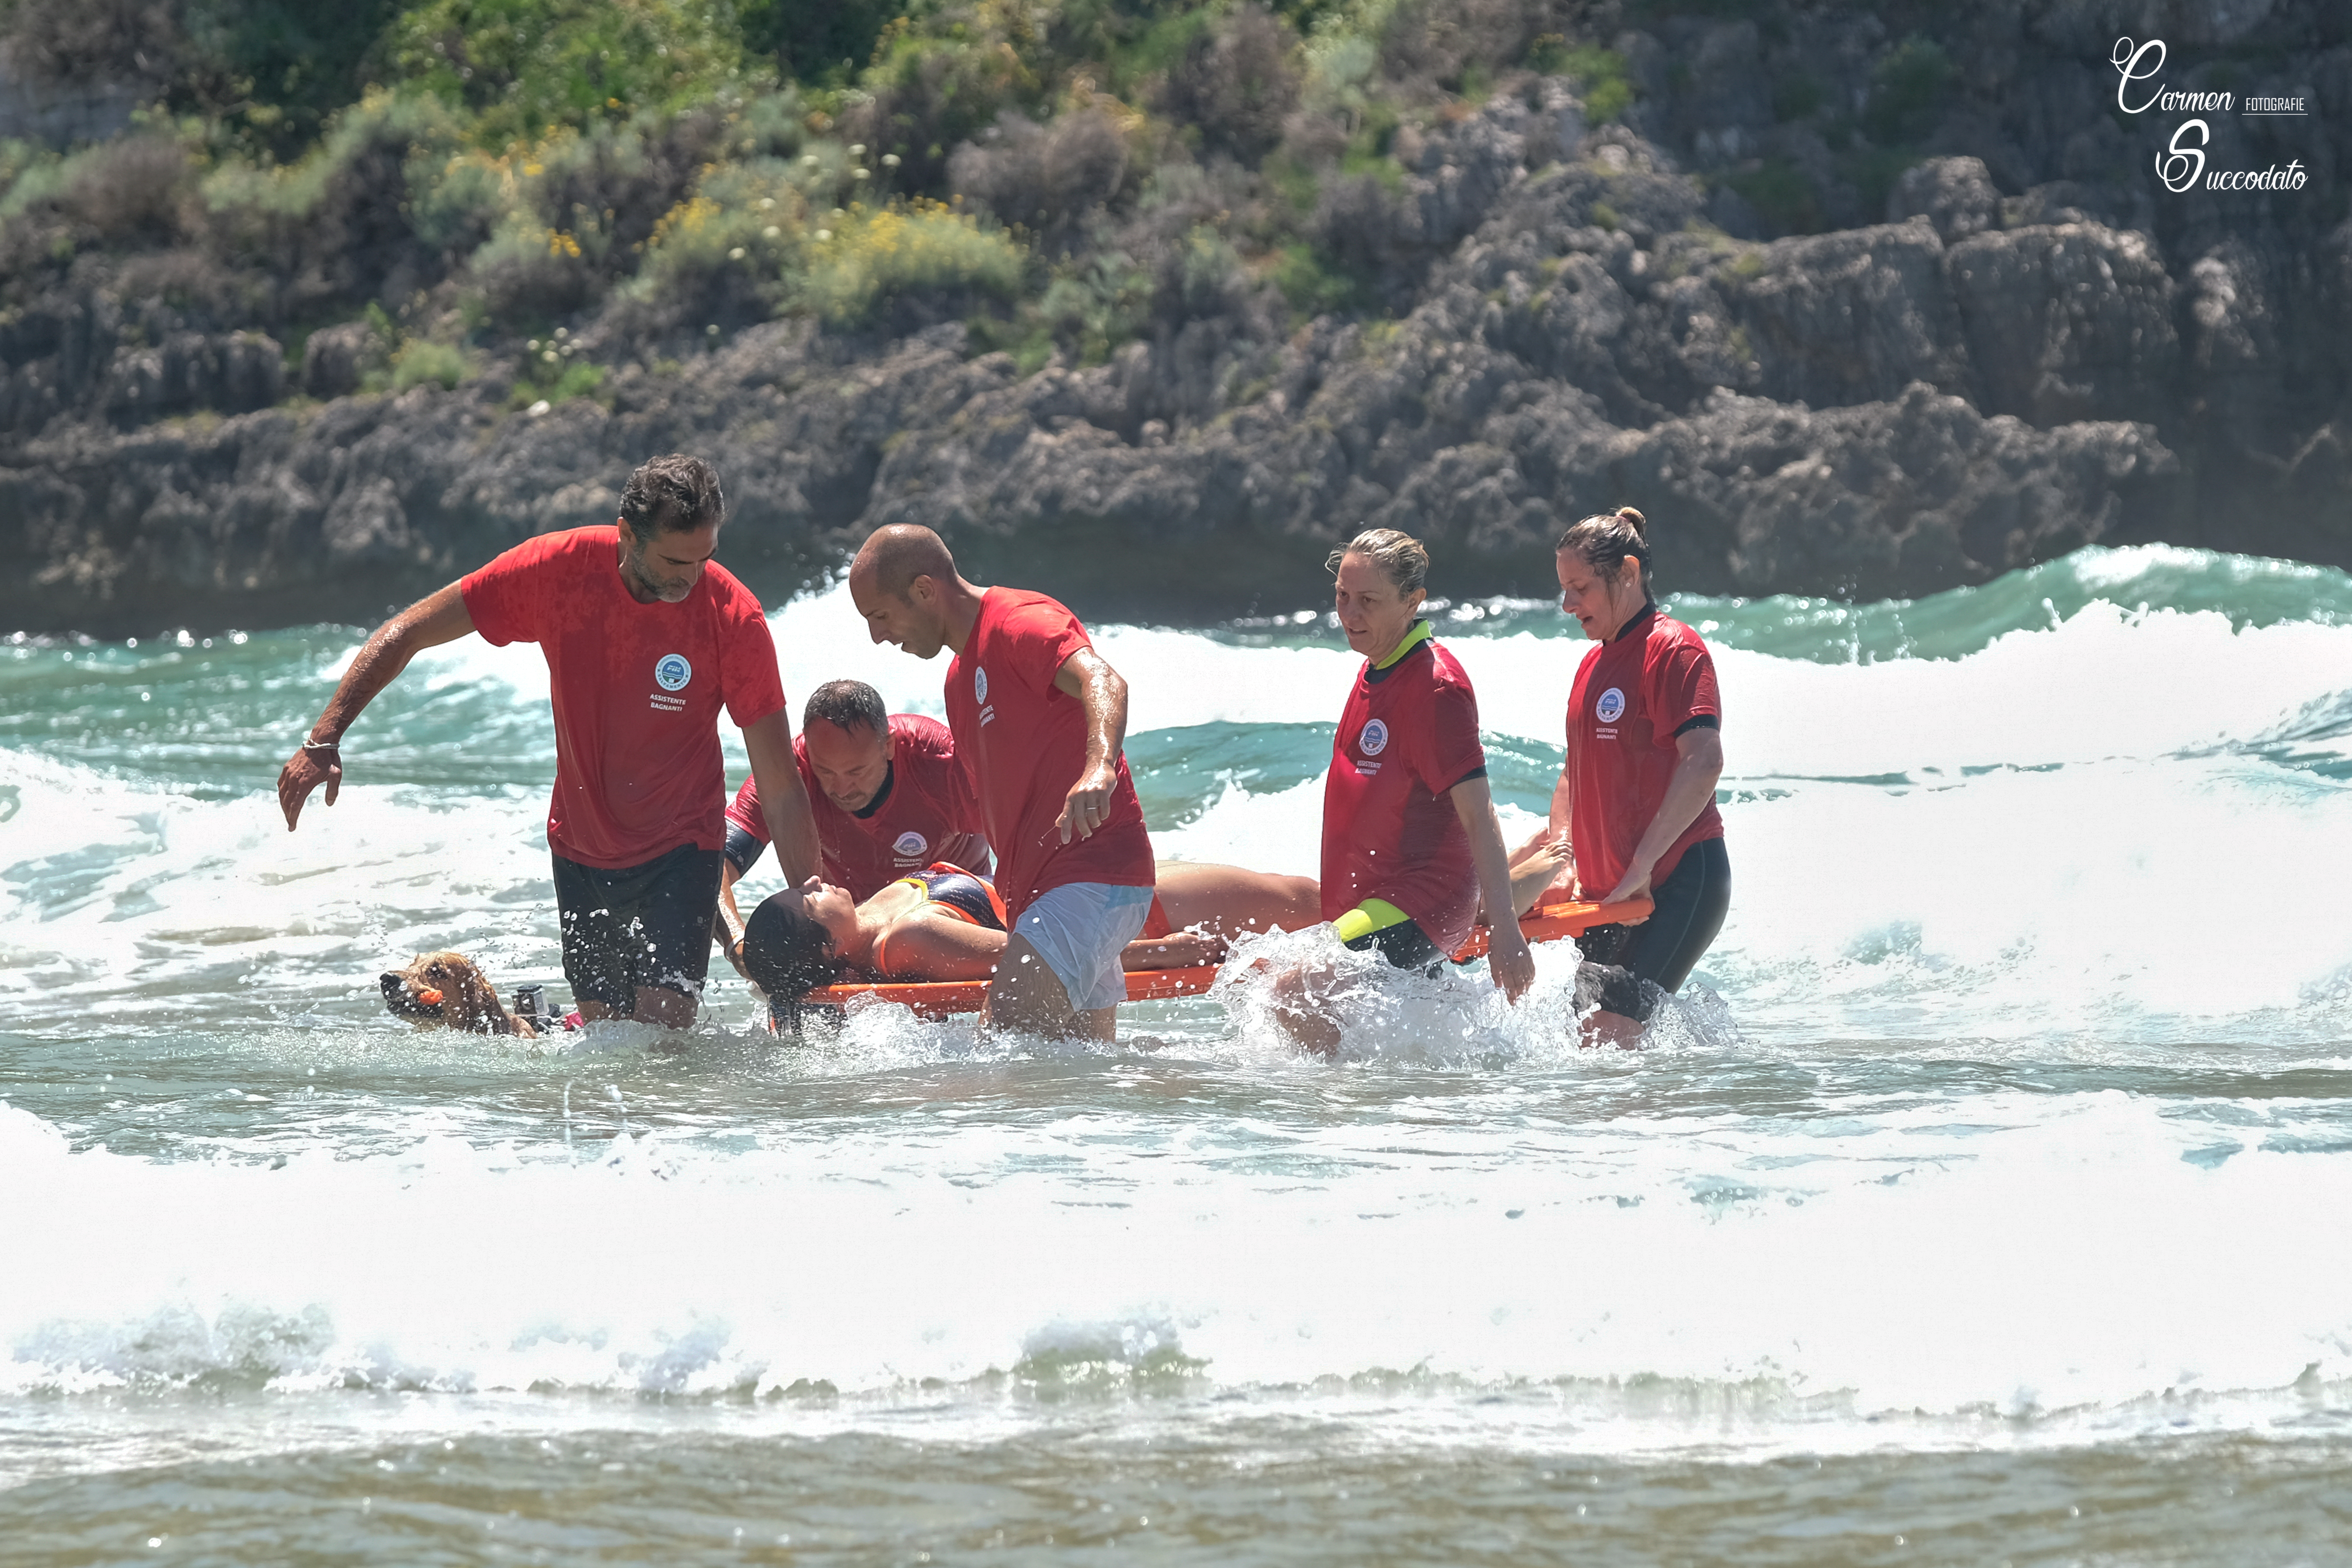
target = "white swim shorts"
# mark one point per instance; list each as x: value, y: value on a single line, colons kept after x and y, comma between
x: 1078, y: 929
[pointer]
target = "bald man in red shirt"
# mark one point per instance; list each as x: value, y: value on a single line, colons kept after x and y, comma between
x: 1039, y: 717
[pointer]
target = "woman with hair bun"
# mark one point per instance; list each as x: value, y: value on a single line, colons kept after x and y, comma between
x: 1410, y: 846
x: 1636, y: 797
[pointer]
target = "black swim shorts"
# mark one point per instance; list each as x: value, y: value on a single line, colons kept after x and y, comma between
x: 1403, y: 944
x: 1622, y: 962
x: 642, y: 925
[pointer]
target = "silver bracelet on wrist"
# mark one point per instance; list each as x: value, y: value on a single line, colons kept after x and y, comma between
x: 310, y: 745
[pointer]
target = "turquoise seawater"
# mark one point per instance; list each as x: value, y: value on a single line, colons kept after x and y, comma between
x: 1981, y: 1199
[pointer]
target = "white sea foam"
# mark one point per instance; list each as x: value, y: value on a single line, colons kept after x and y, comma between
x: 2064, y: 1256
x: 154, y: 902
x: 2133, y: 900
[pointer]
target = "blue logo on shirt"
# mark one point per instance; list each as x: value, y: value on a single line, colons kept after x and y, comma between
x: 1611, y: 708
x: 1375, y: 739
x: 978, y: 684
x: 671, y: 672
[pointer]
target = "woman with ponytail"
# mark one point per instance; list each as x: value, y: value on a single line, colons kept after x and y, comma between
x: 1636, y: 797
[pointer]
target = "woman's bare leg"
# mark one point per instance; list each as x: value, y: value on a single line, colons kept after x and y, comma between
x: 1231, y: 901
x: 1178, y: 949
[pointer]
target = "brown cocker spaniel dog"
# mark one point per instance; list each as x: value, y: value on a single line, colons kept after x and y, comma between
x: 444, y: 990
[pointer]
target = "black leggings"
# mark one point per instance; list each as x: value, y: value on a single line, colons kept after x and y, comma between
x: 1690, y: 905
x: 1403, y: 944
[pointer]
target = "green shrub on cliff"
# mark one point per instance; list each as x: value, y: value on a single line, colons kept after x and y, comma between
x: 282, y: 68
x: 550, y: 375
x: 541, y: 157
x: 133, y: 191
x: 457, y: 198
x: 868, y: 256
x: 925, y: 93
x: 1236, y: 84
x: 725, y: 252
x: 815, y: 40
x: 1077, y: 175
x: 265, y: 75
x: 530, y: 273
x: 1312, y: 284
x: 1600, y: 75
x: 523, y: 66
x: 1909, y: 88
x: 380, y: 135
x: 1095, y: 305
x: 420, y: 362
x: 1780, y: 193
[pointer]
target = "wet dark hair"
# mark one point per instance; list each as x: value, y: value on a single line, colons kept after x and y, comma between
x: 676, y: 494
x: 1402, y: 559
x: 786, y: 950
x: 848, y: 703
x: 1606, y: 538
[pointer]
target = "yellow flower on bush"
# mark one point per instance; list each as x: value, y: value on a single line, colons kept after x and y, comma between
x: 746, y: 219
x: 685, y: 221
x: 906, y: 248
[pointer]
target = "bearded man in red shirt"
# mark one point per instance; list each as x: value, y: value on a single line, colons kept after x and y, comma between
x: 1039, y: 717
x: 646, y: 638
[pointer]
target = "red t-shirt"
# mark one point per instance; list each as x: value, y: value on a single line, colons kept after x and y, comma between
x: 1634, y: 695
x: 923, y: 813
x: 1389, y: 830
x: 638, y: 689
x: 1024, y: 743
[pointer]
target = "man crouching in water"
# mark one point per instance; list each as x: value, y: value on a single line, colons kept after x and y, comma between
x: 1039, y: 719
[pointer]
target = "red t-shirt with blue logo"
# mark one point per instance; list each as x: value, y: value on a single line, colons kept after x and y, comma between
x: 1408, y: 735
x: 1023, y: 741
x: 925, y: 814
x: 637, y: 691
x: 1634, y: 695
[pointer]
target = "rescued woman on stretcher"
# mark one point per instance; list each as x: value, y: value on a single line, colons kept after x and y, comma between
x: 945, y: 923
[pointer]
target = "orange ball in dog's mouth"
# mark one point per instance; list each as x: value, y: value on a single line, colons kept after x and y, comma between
x: 430, y: 998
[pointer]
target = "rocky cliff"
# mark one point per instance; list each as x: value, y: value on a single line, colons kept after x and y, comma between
x: 2019, y: 343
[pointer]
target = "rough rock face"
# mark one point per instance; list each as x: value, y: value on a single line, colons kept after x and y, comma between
x: 2028, y: 355
x: 2068, y: 322
x: 333, y: 359
x: 1053, y: 481
x: 1853, y: 317
x: 278, y: 517
x: 1955, y: 194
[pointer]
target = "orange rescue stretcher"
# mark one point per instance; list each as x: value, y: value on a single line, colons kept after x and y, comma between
x: 948, y: 998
